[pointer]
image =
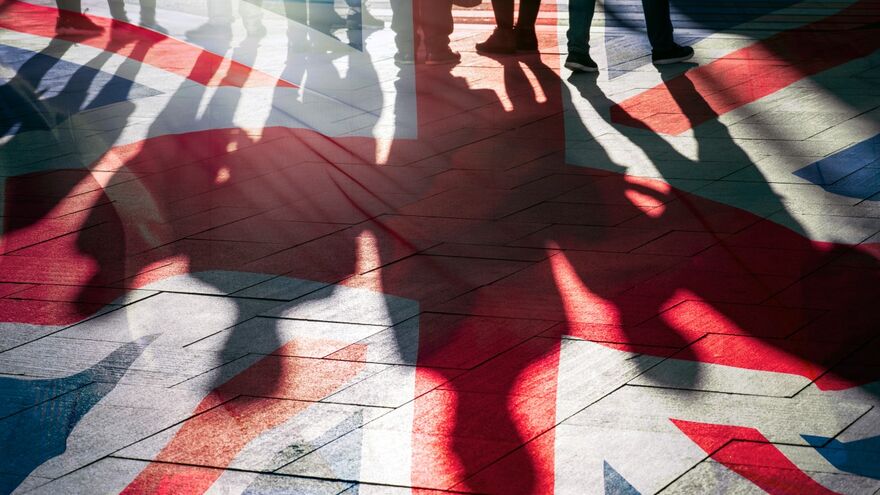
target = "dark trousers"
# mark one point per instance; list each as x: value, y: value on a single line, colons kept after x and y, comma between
x: 431, y: 18
x: 528, y: 13
x: 69, y: 5
x: 580, y: 16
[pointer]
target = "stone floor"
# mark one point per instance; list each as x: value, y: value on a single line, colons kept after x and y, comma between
x: 268, y: 259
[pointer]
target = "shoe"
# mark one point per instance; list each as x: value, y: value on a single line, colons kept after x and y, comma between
x: 404, y: 58
x: 443, y: 57
x: 581, y: 62
x: 526, y: 40
x: 209, y: 31
x: 672, y: 55
x: 74, y: 24
x: 502, y: 40
x: 153, y: 25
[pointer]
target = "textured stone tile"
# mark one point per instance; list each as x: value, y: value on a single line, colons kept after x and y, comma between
x: 16, y: 334
x: 447, y: 341
x: 285, y: 337
x: 647, y: 460
x: 691, y: 375
x: 781, y: 420
x: 155, y: 366
x: 309, y: 425
x: 126, y: 415
x: 179, y: 318
x: 392, y: 387
x: 213, y: 283
x: 711, y: 477
x: 347, y: 305
x: 112, y: 475
x: 281, y: 288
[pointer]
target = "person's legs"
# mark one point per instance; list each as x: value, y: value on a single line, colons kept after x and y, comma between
x: 503, y: 39
x: 71, y: 21
x: 659, y: 24
x: 117, y: 10
x: 528, y: 14
x: 664, y: 50
x: 437, y: 24
x: 405, y: 26
x: 503, y: 10
x: 148, y: 12
x: 580, y: 17
x: 526, y: 39
x: 69, y: 5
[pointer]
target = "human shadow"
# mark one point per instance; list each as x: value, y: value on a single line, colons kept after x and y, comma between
x: 39, y: 189
x: 283, y: 178
x: 805, y: 278
x: 40, y: 414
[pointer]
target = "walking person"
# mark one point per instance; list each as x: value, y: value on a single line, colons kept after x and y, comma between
x: 426, y: 21
x: 664, y: 50
x: 509, y: 37
x: 359, y: 18
x: 147, y: 15
x: 72, y: 22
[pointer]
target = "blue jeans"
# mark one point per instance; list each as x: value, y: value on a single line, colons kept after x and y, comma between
x: 580, y: 16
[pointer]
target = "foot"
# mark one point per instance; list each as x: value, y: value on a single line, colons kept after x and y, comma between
x: 153, y: 25
x: 526, y: 40
x: 210, y: 31
x: 580, y: 62
x: 443, y: 57
x: 672, y: 55
x: 502, y: 40
x: 73, y: 24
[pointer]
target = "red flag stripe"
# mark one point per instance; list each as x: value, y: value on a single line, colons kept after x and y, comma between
x: 166, y: 53
x: 754, y: 72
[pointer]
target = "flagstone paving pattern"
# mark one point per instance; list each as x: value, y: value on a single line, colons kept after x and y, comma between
x: 274, y: 261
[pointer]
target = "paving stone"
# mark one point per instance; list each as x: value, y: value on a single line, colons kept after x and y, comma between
x: 347, y: 305
x: 310, y: 426
x: 169, y: 315
x: 118, y: 421
x: 776, y: 418
x: 111, y: 476
x: 155, y: 366
x: 284, y: 337
x: 212, y: 283
x: 709, y: 476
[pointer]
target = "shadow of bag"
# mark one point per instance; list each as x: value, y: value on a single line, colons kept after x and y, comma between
x: 467, y: 3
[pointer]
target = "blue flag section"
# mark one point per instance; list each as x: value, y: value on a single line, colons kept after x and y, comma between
x: 852, y: 172
x: 46, y: 91
x: 615, y: 484
x: 38, y: 415
x: 861, y: 457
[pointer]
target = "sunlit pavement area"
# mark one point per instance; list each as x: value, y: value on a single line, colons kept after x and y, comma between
x: 244, y: 251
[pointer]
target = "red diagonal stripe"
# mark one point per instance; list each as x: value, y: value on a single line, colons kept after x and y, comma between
x: 748, y: 453
x: 166, y: 53
x: 263, y: 397
x: 754, y: 72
